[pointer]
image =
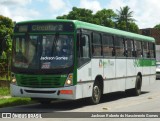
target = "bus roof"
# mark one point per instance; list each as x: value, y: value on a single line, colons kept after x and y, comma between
x: 89, y: 26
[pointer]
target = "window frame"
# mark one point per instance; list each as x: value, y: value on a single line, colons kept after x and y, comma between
x: 131, y: 48
x: 95, y: 44
x: 116, y: 38
x: 108, y: 45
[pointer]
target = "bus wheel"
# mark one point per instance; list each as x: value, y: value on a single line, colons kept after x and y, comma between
x: 96, y: 94
x: 137, y: 90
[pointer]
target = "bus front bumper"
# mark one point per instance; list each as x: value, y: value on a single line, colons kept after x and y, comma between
x: 70, y: 92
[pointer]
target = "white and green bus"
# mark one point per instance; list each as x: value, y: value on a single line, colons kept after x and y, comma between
x: 70, y: 59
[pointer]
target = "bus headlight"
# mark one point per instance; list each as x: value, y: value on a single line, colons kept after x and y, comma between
x: 69, y: 80
x: 13, y: 79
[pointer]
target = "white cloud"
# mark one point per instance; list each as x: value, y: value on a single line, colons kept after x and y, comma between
x: 17, y: 10
x: 57, y: 5
x: 146, y: 12
x: 93, y: 5
x: 115, y: 4
x: 4, y: 11
x: 14, y: 2
x: 21, y: 14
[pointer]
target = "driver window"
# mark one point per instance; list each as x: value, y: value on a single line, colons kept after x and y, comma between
x: 84, y: 46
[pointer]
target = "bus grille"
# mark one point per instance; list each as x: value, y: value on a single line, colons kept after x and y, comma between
x: 40, y: 81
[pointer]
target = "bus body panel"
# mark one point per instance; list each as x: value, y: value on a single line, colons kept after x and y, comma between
x: 153, y: 75
x: 97, y: 68
x: 121, y: 68
x: 84, y: 72
x: 146, y: 72
x: 131, y: 68
x: 108, y: 86
x: 119, y: 82
x: 131, y: 73
x: 79, y: 91
x: 84, y: 79
x: 109, y: 68
x: 18, y: 91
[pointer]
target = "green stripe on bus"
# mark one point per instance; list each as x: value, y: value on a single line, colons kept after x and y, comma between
x: 144, y: 62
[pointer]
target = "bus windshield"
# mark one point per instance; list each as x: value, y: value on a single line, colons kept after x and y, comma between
x: 43, y: 51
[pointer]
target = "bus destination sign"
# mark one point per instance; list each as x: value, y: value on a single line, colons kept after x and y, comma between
x: 48, y: 27
x: 23, y: 28
x: 45, y: 27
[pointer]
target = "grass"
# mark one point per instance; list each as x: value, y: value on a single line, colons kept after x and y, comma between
x: 4, y: 91
x: 14, y: 101
x: 3, y: 78
x: 11, y: 101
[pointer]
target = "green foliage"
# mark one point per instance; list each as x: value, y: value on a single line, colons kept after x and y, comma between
x: 79, y: 14
x: 124, y: 14
x: 125, y: 20
x: 133, y: 27
x: 130, y: 26
x: 121, y: 25
x: 105, y: 17
x: 4, y: 91
x: 6, y: 31
x: 157, y: 26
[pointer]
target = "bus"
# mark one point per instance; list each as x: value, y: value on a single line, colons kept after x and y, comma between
x: 71, y: 59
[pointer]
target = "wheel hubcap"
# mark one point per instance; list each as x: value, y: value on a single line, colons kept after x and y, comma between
x: 96, y: 94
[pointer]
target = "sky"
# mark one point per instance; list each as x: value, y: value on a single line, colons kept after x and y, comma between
x: 146, y: 12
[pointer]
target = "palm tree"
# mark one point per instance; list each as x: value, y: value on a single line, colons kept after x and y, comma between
x: 125, y: 15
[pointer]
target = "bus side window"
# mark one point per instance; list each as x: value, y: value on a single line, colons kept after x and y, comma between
x: 119, y: 47
x: 129, y: 48
x: 84, y: 46
x: 138, y: 49
x: 107, y: 45
x: 96, y: 45
x: 146, y: 53
x: 152, y: 50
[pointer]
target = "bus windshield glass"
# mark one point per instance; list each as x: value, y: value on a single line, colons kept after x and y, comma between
x: 43, y: 51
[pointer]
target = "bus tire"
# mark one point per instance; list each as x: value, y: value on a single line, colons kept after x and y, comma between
x: 96, y: 94
x: 137, y: 90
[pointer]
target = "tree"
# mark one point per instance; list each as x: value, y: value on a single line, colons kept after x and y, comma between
x: 124, y: 14
x: 125, y: 20
x: 133, y: 27
x: 6, y: 31
x: 157, y: 26
x: 105, y: 17
x: 79, y: 14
